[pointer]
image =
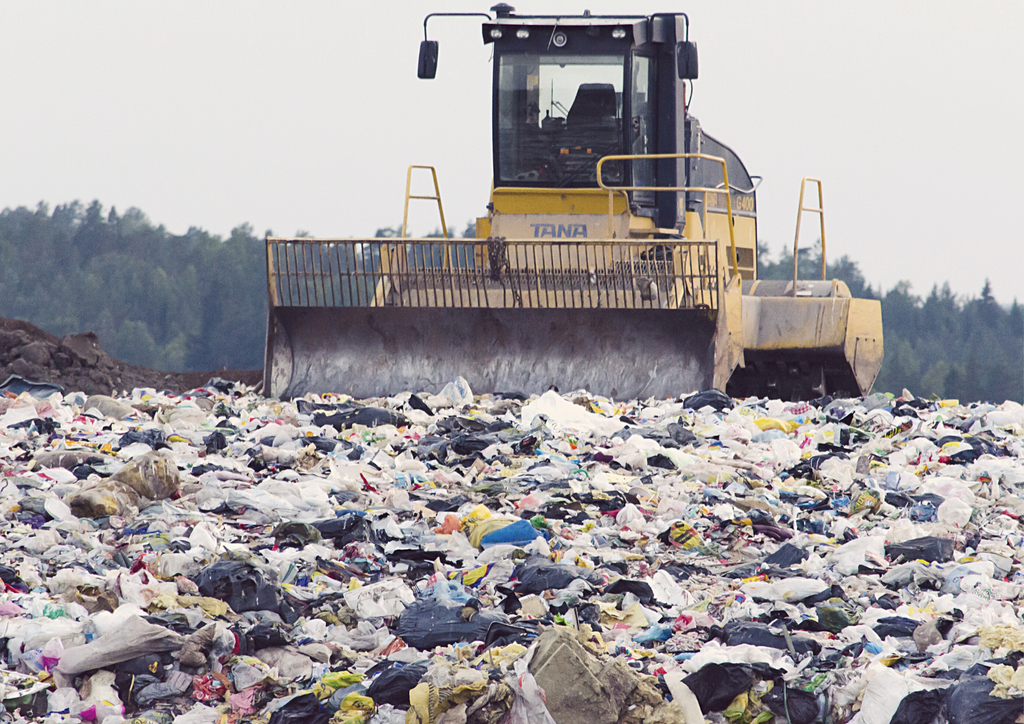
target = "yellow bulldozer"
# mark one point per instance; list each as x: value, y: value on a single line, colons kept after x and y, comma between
x: 618, y: 252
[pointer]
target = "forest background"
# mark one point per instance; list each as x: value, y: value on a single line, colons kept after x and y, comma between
x: 199, y: 301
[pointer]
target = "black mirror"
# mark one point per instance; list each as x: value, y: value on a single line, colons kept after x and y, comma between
x: 686, y: 60
x: 427, y: 67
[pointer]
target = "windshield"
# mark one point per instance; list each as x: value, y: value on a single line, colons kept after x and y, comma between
x: 557, y: 115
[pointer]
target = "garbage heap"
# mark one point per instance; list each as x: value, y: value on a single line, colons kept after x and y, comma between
x: 459, y: 558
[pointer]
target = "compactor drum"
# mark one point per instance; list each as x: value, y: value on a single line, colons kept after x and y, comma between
x: 618, y: 253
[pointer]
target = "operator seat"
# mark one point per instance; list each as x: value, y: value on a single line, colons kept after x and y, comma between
x: 594, y: 105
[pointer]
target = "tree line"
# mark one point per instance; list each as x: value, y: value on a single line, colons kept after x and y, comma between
x: 198, y: 301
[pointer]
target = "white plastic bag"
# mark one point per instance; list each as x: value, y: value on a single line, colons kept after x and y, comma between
x: 62, y: 699
x: 529, y: 706
x: 385, y: 598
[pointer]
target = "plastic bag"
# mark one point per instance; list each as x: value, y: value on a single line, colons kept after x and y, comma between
x: 929, y: 548
x: 348, y: 528
x: 131, y: 639
x: 529, y: 706
x: 457, y: 392
x: 954, y: 512
x: 802, y: 706
x: 716, y: 685
x: 304, y: 709
x: 918, y: 707
x: 368, y: 416
x: 178, y: 682
x: 393, y: 685
x: 970, y: 702
x: 787, y: 555
x: 708, y: 398
x: 753, y: 633
x: 239, y: 584
x: 883, y: 693
x: 426, y: 624
x: 384, y: 598
x: 153, y: 475
x: 895, y: 626
x: 519, y: 533
x: 849, y: 557
x: 538, y: 574
x: 568, y: 414
x: 62, y: 699
x: 102, y: 498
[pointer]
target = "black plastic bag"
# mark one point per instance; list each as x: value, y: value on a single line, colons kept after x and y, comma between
x: 449, y: 505
x: 640, y: 589
x: 220, y: 384
x: 970, y: 702
x: 368, y: 416
x: 738, y: 633
x: 661, y: 461
x: 239, y: 584
x: 265, y: 635
x: 426, y: 624
x: 417, y: 404
x: 979, y: 447
x: 132, y: 675
x: 303, y: 709
x: 393, y: 685
x: 714, y: 398
x: 930, y: 548
x: 919, y: 707
x: 802, y: 705
x: 503, y: 634
x: 716, y: 685
x: 787, y: 555
x: 681, y: 434
x: 346, y: 529
x: 895, y: 626
x: 296, y: 535
x: 156, y: 439
x: 469, y: 444
x: 215, y: 442
x: 539, y: 574
x: 835, y: 591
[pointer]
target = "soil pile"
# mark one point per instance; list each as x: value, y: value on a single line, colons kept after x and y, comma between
x: 78, y: 362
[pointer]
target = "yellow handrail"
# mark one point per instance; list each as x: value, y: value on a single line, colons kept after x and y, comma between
x: 820, y: 211
x: 382, y: 292
x: 651, y: 156
x: 436, y: 197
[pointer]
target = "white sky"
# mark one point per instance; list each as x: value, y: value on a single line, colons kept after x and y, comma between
x: 305, y: 115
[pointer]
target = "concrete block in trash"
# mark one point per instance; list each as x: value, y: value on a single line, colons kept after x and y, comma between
x: 580, y: 688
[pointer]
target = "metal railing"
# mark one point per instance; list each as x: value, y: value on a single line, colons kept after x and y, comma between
x: 436, y: 197
x: 820, y: 211
x: 498, y: 273
x: 726, y: 188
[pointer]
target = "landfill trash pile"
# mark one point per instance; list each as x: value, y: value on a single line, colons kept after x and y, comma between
x: 459, y: 558
x: 32, y: 360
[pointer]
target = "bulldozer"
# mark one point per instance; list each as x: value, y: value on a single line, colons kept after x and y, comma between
x: 618, y: 252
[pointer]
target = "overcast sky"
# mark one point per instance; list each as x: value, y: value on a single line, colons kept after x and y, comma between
x: 304, y: 115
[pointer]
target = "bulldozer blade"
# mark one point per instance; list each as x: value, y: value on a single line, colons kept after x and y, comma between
x: 376, y: 351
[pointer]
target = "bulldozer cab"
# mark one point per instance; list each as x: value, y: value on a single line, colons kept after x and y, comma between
x: 618, y: 252
x: 569, y: 91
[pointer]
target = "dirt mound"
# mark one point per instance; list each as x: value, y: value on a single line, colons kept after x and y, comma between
x: 78, y: 362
